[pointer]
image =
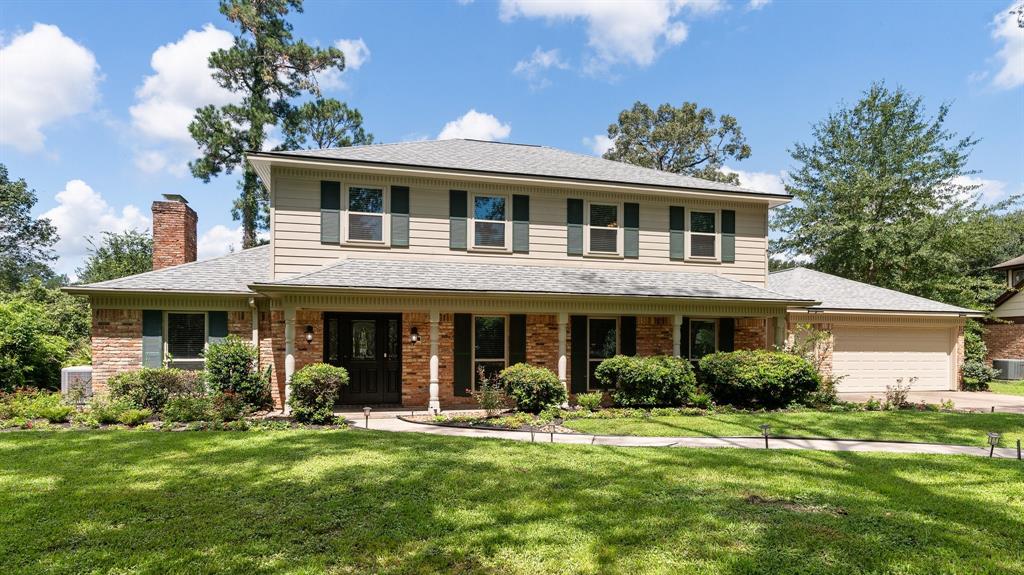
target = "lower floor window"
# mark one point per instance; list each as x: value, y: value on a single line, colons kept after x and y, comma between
x: 602, y: 343
x: 186, y: 339
x: 703, y: 338
x: 489, y: 347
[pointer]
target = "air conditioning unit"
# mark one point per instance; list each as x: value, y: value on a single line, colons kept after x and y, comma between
x: 1011, y: 369
x: 76, y: 383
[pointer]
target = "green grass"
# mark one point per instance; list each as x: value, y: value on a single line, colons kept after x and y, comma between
x: 372, y: 502
x: 1008, y: 387
x: 926, y: 427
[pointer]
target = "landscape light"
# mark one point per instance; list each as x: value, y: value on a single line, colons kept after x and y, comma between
x: 764, y: 431
x: 993, y: 441
x: 366, y: 414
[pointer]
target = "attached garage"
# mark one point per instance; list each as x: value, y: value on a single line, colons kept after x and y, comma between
x: 879, y: 335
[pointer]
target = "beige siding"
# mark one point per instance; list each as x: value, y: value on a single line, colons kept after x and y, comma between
x: 871, y: 357
x: 296, y: 227
x: 1013, y: 307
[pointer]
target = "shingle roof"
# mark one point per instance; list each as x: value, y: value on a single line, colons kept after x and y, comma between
x: 223, y: 275
x: 504, y: 278
x: 839, y: 293
x: 1016, y: 262
x: 518, y: 159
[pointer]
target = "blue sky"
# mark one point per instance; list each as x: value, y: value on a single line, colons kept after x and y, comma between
x: 94, y: 96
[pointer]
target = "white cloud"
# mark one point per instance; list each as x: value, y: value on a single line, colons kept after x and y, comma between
x: 218, y: 240
x: 757, y: 4
x: 81, y: 212
x: 598, y: 143
x: 45, y: 77
x: 356, y: 53
x: 1011, y: 54
x: 539, y: 62
x: 988, y: 191
x: 767, y: 182
x: 617, y: 32
x: 477, y: 126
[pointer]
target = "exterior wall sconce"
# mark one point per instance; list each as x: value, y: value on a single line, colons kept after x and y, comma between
x: 309, y: 334
x: 414, y: 335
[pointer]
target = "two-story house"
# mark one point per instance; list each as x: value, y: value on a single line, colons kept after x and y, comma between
x: 417, y: 265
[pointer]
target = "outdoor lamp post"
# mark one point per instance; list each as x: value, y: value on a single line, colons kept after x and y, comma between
x: 366, y: 415
x: 993, y: 441
x: 764, y: 431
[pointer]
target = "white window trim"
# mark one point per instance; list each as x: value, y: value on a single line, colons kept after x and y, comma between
x: 471, y: 228
x: 385, y: 231
x: 718, y: 235
x: 166, y: 334
x: 586, y: 231
x: 504, y: 339
x: 618, y: 345
x: 690, y: 338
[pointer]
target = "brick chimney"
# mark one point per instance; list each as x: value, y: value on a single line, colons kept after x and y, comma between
x: 174, y: 232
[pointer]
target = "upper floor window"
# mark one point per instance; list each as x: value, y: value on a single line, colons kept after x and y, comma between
x: 703, y: 235
x: 603, y: 229
x: 490, y: 221
x: 365, y: 214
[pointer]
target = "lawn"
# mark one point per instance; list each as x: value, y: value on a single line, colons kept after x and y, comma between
x: 921, y: 426
x: 372, y: 502
x: 1009, y: 387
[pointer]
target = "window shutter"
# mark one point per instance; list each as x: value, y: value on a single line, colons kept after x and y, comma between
x: 399, y: 216
x: 574, y: 228
x: 631, y: 230
x: 726, y: 334
x: 676, y: 233
x: 216, y: 326
x: 516, y: 339
x: 627, y: 339
x: 330, y: 212
x: 463, y: 345
x: 684, y: 338
x: 152, y: 338
x: 521, y: 224
x: 728, y: 236
x: 578, y: 353
x: 457, y: 219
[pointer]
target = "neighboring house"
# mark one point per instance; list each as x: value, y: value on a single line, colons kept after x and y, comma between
x: 416, y: 265
x: 1004, y: 335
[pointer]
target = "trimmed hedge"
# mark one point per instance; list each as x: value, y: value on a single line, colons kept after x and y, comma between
x: 533, y: 387
x: 655, y: 381
x: 315, y: 389
x: 760, y: 379
x: 232, y: 366
x: 151, y: 388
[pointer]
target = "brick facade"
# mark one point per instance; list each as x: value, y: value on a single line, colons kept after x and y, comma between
x: 542, y: 341
x: 654, y: 335
x: 116, y: 344
x: 1004, y: 341
x: 174, y: 234
x: 751, y: 333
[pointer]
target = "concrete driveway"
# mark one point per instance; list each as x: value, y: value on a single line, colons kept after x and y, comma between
x: 972, y: 400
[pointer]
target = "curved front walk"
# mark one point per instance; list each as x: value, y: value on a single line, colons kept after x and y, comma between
x: 400, y: 425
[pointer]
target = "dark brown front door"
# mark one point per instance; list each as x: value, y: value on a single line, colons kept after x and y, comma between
x: 369, y: 346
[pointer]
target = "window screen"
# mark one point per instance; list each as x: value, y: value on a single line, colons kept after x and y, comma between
x: 702, y: 234
x: 604, y: 224
x: 489, y: 221
x: 488, y: 346
x: 366, y: 214
x: 186, y: 336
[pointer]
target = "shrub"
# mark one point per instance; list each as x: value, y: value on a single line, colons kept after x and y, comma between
x: 185, y: 409
x: 873, y: 404
x: 764, y: 379
x: 647, y: 381
x: 30, y: 353
x: 315, y: 388
x: 232, y: 366
x: 31, y: 404
x: 976, y: 375
x: 106, y: 411
x: 896, y: 395
x: 133, y: 417
x: 701, y: 400
x: 151, y: 388
x: 532, y: 387
x: 489, y: 394
x: 59, y: 413
x: 589, y: 401
x: 229, y: 406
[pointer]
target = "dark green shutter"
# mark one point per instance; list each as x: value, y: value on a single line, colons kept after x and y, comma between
x: 684, y: 338
x: 728, y: 236
x: 521, y: 224
x: 516, y: 339
x: 399, y: 216
x: 457, y: 219
x: 463, y: 354
x: 578, y: 353
x: 726, y: 334
x: 676, y: 233
x: 627, y: 339
x: 631, y: 230
x: 330, y: 212
x: 574, y: 227
x: 152, y: 338
x: 217, y: 326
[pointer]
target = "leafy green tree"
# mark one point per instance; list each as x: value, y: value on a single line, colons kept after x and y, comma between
x: 881, y: 197
x: 686, y: 140
x: 30, y: 353
x: 324, y: 123
x: 267, y: 67
x: 117, y: 255
x: 26, y: 242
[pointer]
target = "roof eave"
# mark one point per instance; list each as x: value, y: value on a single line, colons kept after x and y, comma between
x: 85, y: 290
x: 934, y: 313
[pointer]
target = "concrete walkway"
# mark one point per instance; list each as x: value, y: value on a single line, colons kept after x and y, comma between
x: 399, y: 425
x: 968, y: 400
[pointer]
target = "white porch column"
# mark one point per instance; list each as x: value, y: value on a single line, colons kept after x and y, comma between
x: 677, y: 324
x: 563, y: 364
x: 434, y: 406
x: 255, y: 323
x: 289, y: 354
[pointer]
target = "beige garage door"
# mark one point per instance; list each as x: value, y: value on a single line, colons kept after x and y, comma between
x: 874, y: 357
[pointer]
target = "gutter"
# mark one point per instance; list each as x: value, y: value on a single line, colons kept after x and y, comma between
x: 818, y: 310
x: 75, y: 290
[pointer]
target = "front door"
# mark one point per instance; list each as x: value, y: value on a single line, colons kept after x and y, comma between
x: 369, y: 346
